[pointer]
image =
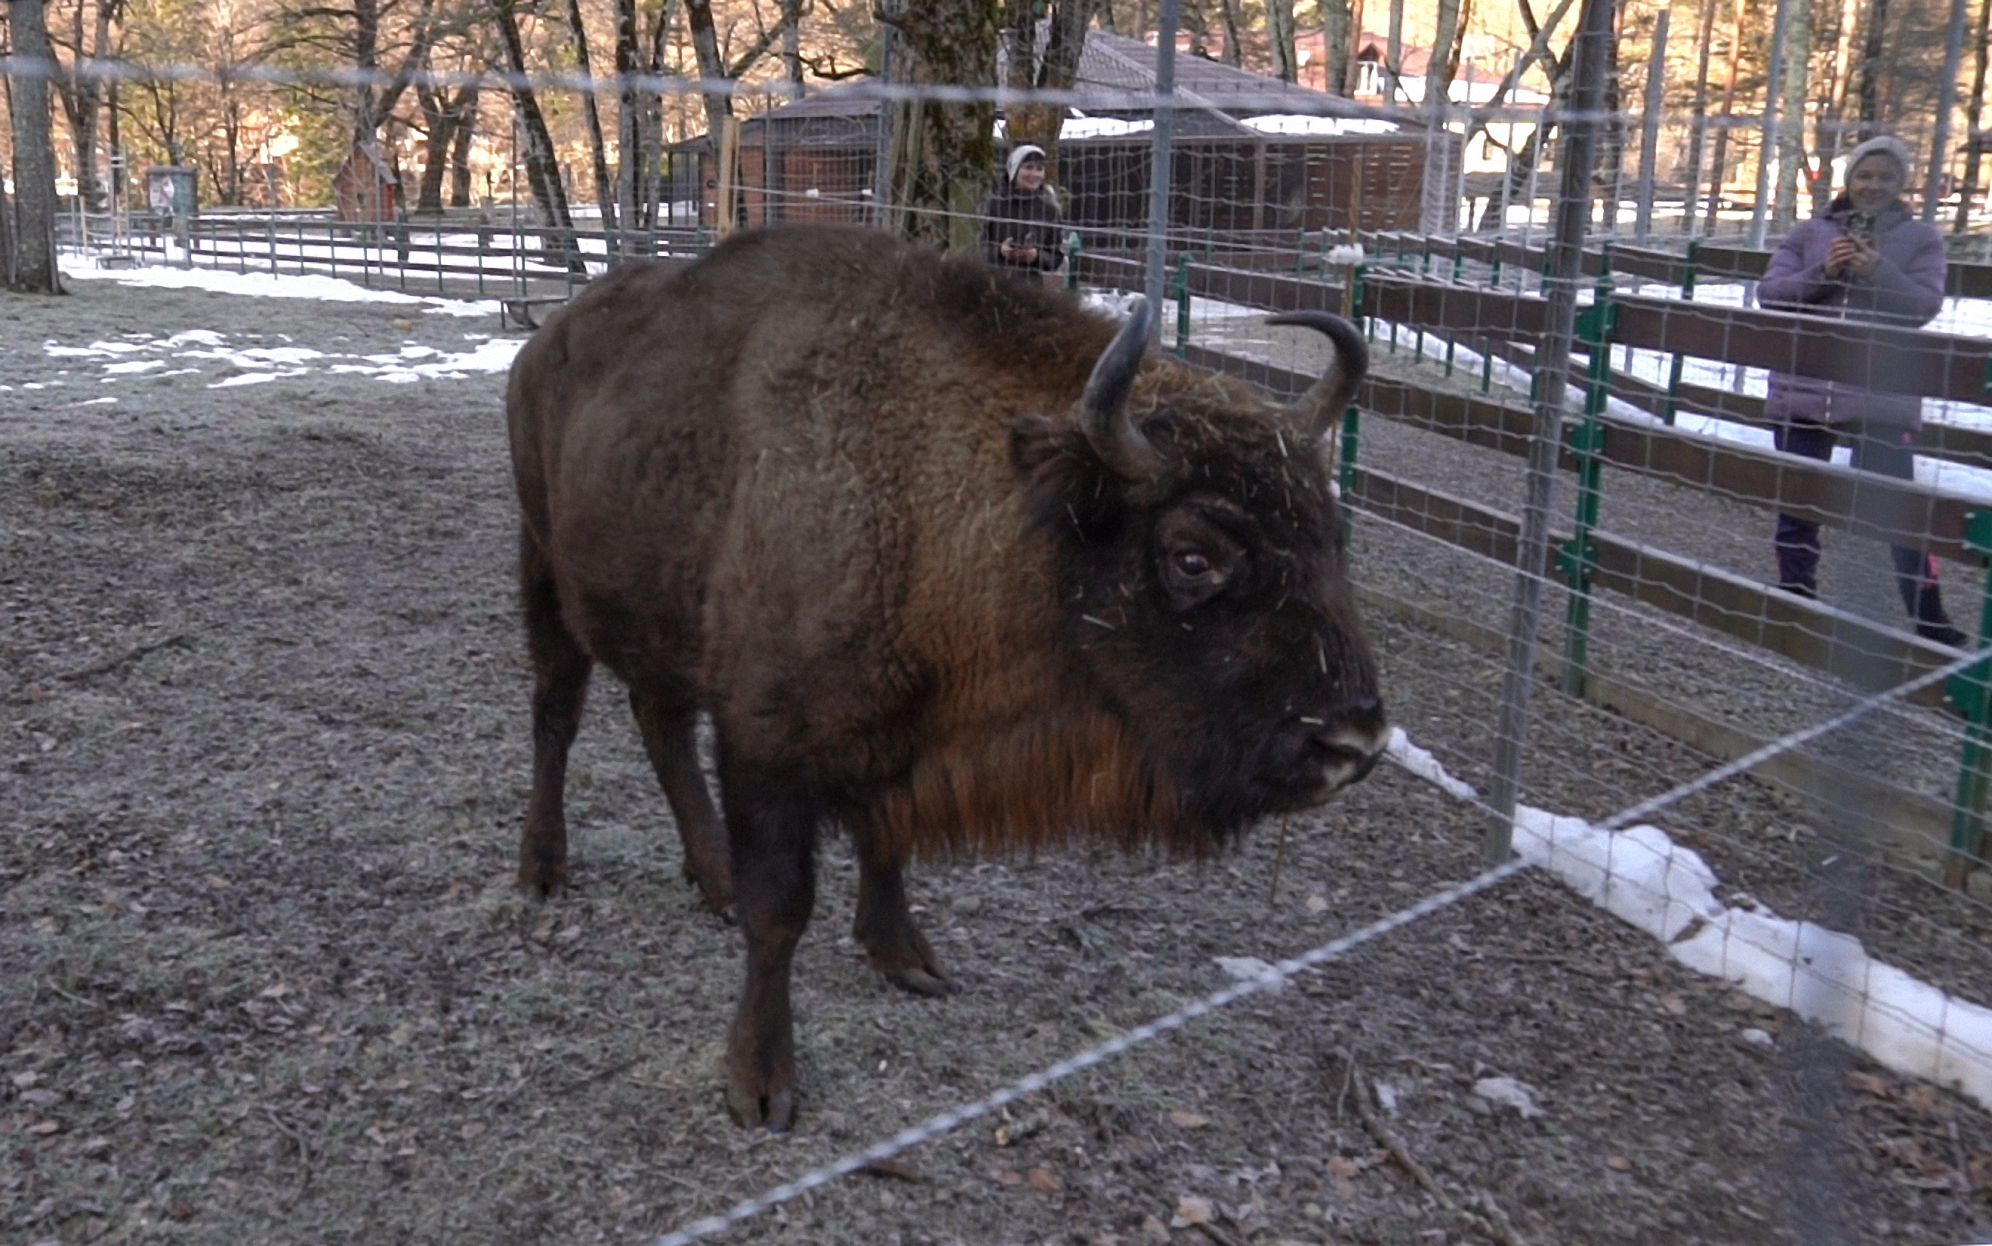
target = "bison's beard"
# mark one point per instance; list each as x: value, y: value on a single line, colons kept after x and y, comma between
x: 1074, y: 777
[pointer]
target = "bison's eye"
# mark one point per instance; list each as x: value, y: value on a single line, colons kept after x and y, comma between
x: 1192, y: 564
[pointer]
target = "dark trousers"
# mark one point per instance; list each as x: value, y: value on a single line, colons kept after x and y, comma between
x: 1883, y: 451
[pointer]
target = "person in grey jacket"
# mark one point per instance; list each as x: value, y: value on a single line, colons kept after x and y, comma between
x: 1020, y: 233
x: 1865, y: 259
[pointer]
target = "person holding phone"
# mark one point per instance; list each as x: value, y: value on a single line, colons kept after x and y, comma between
x: 1020, y: 236
x: 1866, y: 258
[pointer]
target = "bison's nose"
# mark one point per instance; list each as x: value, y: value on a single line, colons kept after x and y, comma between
x: 1348, y: 742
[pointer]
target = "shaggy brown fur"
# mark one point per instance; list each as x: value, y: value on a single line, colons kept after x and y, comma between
x: 836, y: 492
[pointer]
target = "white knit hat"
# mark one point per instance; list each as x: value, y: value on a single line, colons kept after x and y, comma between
x: 1021, y: 153
x: 1882, y: 145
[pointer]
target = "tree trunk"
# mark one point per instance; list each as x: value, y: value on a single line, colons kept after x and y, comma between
x: 1440, y: 211
x: 1054, y: 67
x: 35, y: 270
x: 464, y: 133
x: 605, y: 189
x: 1233, y: 54
x: 1720, y: 169
x: 1974, y: 108
x: 944, y: 152
x: 1279, y: 32
x: 1393, y: 54
x: 542, y: 168
x: 1698, y: 125
x: 1871, y: 67
x: 1829, y: 134
x: 1339, y: 37
x: 629, y: 119
x: 712, y: 68
x: 436, y: 145
x: 1791, y: 114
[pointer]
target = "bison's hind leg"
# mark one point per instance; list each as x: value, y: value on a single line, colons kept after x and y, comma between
x: 884, y: 928
x: 560, y: 687
x: 668, y: 724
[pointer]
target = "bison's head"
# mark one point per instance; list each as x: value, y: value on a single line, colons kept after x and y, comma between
x: 1201, y: 561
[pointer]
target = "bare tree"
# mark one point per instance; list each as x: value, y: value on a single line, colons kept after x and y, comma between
x: 942, y: 152
x: 1047, y: 62
x: 1698, y: 114
x: 1974, y: 138
x: 88, y: 39
x: 1719, y: 169
x: 34, y: 268
x: 1280, y: 34
x: 605, y: 192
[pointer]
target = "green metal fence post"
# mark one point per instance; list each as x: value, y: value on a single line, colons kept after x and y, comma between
x: 1577, y: 558
x: 1970, y: 691
x: 1072, y: 260
x: 482, y: 249
x: 1182, y: 293
x: 1674, y: 370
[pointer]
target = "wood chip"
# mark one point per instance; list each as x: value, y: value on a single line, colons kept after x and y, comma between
x: 1187, y: 1120
x: 1618, y: 1163
x: 1044, y: 1181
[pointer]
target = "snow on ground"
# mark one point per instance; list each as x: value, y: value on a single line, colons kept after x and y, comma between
x: 142, y: 355
x: 271, y: 285
x: 1644, y: 878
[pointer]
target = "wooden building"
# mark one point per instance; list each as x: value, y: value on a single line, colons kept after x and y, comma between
x: 1249, y: 153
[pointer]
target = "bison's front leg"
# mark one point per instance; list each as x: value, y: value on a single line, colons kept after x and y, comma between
x: 893, y: 944
x: 772, y: 836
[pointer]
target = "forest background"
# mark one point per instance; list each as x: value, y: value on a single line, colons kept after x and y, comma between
x: 1854, y: 67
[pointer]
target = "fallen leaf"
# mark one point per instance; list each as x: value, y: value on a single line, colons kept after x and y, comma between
x: 1876, y: 1086
x: 1343, y: 1168
x: 1317, y: 904
x: 1190, y: 1210
x: 898, y: 1170
x: 45, y: 1128
x: 1006, y: 1177
x: 1618, y: 1163
x: 1187, y: 1120
x: 1674, y: 1005
x: 472, y: 1129
x: 1044, y: 1181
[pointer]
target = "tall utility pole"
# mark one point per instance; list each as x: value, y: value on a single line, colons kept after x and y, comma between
x: 1577, y: 165
x: 1768, y: 144
x: 1933, y: 181
x: 1162, y: 162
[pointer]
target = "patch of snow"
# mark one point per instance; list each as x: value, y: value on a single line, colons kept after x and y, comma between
x: 1507, y: 1092
x: 1299, y: 123
x: 271, y: 285
x: 1644, y: 878
x: 1249, y: 969
x: 1421, y: 763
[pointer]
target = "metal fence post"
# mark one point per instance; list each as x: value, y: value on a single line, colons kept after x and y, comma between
x: 1674, y: 372
x: 1970, y: 690
x: 1563, y: 267
x: 1182, y: 293
x: 1072, y: 245
x: 1577, y: 558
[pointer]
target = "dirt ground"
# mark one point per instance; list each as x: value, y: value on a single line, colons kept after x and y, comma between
x: 263, y: 977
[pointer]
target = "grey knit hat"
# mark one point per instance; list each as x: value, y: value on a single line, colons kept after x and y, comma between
x: 1882, y: 145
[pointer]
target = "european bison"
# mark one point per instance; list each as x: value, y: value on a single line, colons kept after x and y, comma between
x: 949, y: 562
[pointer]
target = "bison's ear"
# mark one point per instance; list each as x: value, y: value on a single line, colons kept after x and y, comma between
x: 1066, y: 488
x: 1316, y: 409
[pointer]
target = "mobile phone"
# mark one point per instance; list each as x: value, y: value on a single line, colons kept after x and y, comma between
x: 1861, y: 225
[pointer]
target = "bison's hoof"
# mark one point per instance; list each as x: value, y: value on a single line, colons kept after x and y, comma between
x: 538, y: 883
x: 921, y: 982
x: 750, y: 1108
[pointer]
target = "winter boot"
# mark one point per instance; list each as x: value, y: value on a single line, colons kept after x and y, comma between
x: 1931, y: 621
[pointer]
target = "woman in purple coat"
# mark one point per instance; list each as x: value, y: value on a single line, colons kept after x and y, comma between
x: 1865, y: 259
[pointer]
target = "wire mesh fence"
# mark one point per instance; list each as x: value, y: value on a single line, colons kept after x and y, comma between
x: 1843, y: 876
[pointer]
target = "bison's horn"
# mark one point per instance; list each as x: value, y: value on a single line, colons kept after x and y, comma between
x: 1317, y: 408
x: 1103, y: 410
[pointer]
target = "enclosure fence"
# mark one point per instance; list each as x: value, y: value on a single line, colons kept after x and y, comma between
x: 1853, y: 702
